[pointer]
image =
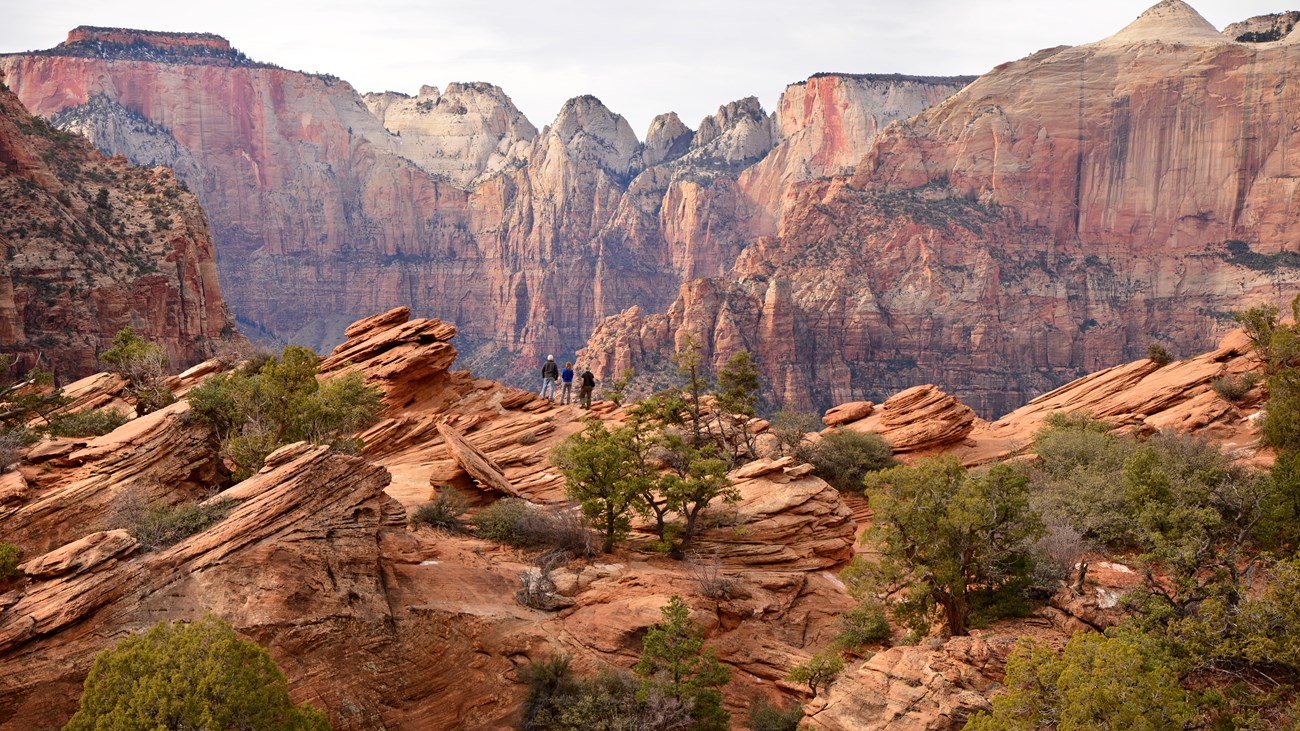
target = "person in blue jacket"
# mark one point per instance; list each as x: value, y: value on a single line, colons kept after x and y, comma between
x: 566, y: 378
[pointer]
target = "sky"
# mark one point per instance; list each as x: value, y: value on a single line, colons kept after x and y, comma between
x: 687, y: 56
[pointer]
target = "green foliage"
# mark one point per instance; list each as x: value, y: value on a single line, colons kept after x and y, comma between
x: 690, y: 366
x: 791, y: 428
x: 1277, y: 346
x: 197, y: 675
x: 696, y: 478
x: 601, y: 474
x: 664, y: 470
x: 943, y: 532
x: 142, y: 364
x: 441, y: 513
x: 864, y: 624
x: 1157, y: 354
x: 675, y: 662
x: 843, y: 457
x: 1234, y: 388
x: 9, y: 555
x: 159, y: 525
x: 90, y: 423
x: 518, y: 523
x: 617, y: 390
x: 819, y: 672
x: 498, y: 521
x: 557, y: 701
x: 1192, y: 518
x: 735, y: 397
x: 22, y: 400
x: 1121, y: 682
x: 550, y: 685
x: 1230, y: 631
x: 282, y: 402
x: 763, y: 716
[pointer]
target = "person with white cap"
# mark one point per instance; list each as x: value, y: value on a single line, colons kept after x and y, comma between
x: 550, y: 374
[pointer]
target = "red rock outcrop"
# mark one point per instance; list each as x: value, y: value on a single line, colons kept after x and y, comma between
x: 303, y: 542
x: 921, y: 418
x: 93, y: 245
x: 913, y: 688
x: 371, y: 621
x: 165, y: 457
x: 1141, y: 397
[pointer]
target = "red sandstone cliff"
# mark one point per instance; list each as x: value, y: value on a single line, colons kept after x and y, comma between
x: 327, y: 206
x: 1054, y: 217
x: 91, y: 245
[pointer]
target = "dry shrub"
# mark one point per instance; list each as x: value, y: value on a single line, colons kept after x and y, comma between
x: 519, y: 523
x: 442, y: 513
x: 710, y: 578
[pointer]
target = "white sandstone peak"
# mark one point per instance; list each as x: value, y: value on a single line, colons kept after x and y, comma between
x: 1169, y: 21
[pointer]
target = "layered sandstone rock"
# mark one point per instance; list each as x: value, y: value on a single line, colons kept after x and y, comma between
x: 93, y: 245
x: 87, y: 484
x: 1143, y: 397
x: 921, y: 418
x: 1139, y: 398
x: 293, y: 564
x: 314, y: 563
x: 913, y: 688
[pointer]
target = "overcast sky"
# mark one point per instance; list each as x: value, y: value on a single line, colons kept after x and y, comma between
x: 687, y: 56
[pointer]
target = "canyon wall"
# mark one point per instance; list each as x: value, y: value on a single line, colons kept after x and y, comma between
x: 92, y: 245
x: 1056, y: 216
x: 327, y: 205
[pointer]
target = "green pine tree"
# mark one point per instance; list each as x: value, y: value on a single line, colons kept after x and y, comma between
x: 675, y: 661
x: 196, y: 675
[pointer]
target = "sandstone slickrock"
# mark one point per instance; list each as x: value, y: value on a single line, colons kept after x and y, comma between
x: 921, y: 418
x: 1140, y: 397
x: 303, y: 544
x: 163, y: 457
x: 844, y: 413
x: 913, y: 688
x: 93, y: 245
x: 473, y: 461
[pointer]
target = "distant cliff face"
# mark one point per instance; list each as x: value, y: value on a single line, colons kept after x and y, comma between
x: 470, y: 131
x: 1057, y: 215
x: 91, y: 245
x: 327, y: 206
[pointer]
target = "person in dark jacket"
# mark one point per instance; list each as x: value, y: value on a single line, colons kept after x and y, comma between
x: 584, y: 391
x: 550, y: 374
x: 566, y: 378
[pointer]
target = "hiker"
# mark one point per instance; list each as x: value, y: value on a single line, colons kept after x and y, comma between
x: 588, y: 383
x: 550, y: 374
x: 566, y: 377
